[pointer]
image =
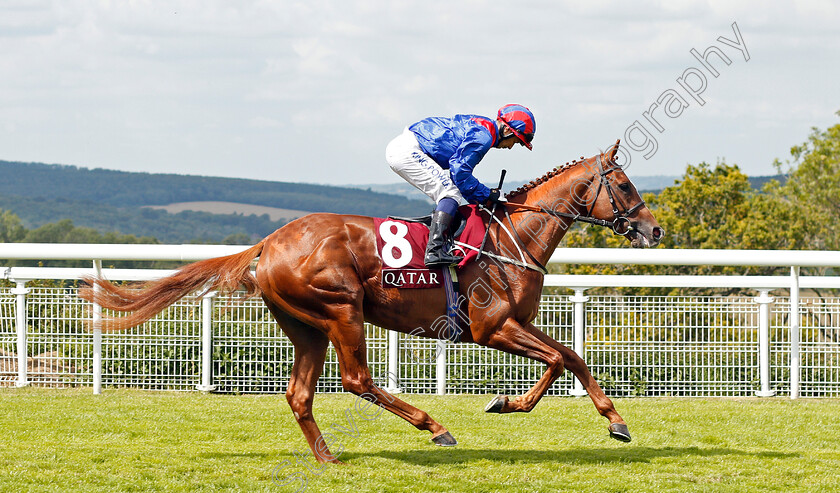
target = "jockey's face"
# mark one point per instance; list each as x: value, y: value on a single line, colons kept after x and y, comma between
x: 508, y: 142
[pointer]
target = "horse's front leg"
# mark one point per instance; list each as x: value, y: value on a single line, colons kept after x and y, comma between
x: 526, y: 340
x: 575, y: 364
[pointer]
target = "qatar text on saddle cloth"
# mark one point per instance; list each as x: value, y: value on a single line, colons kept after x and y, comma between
x: 401, y: 246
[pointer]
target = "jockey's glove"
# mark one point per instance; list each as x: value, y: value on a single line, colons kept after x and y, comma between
x: 496, y: 197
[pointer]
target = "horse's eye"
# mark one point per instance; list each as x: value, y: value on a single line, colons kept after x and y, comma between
x: 624, y: 187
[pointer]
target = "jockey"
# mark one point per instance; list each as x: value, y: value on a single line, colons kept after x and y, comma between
x: 437, y: 155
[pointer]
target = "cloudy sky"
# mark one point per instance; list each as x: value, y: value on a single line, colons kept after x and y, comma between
x: 312, y: 91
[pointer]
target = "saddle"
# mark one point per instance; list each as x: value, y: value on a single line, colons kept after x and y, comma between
x: 459, y: 222
x: 401, y: 242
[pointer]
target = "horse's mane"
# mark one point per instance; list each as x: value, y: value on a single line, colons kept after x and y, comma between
x: 544, y: 178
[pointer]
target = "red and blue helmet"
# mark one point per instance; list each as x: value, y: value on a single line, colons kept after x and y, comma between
x: 520, y: 121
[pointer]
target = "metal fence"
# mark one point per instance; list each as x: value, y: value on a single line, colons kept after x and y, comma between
x: 634, y: 345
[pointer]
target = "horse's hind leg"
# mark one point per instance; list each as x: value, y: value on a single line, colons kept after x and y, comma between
x: 532, y: 343
x: 347, y: 335
x: 523, y: 341
x: 310, y: 353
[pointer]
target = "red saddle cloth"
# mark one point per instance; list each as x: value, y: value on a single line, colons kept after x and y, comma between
x: 402, y: 245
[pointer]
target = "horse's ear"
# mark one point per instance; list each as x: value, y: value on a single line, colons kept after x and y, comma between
x: 612, y: 151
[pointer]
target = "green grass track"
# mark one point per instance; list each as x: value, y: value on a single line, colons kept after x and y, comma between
x: 129, y: 440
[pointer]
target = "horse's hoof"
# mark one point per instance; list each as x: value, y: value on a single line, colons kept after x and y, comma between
x: 620, y: 432
x: 496, y: 405
x: 445, y: 440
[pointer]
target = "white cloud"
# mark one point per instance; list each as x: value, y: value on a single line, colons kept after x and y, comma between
x: 194, y: 86
x: 315, y: 57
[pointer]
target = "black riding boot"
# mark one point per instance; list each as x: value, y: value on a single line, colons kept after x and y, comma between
x: 437, y: 253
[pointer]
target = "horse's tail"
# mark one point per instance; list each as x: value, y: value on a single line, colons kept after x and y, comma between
x: 225, y: 274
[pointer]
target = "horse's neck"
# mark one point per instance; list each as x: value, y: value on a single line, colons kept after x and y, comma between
x: 540, y: 232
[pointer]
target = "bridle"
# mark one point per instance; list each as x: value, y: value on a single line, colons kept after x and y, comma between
x: 620, y: 224
x: 620, y: 217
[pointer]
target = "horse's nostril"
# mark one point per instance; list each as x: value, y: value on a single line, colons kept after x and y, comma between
x: 658, y: 233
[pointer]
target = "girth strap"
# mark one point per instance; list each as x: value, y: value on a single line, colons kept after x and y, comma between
x: 452, y: 288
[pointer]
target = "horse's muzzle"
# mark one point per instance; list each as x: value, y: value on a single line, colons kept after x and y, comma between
x: 645, y: 239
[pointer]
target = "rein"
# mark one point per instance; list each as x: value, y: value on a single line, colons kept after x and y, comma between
x: 517, y: 241
x: 620, y: 222
x: 621, y: 218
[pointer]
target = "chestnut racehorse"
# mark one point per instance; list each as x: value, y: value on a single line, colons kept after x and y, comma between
x: 320, y: 276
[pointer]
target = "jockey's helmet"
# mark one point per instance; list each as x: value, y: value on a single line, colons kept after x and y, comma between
x: 520, y: 121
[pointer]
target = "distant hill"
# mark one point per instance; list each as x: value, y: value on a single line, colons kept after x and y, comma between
x: 274, y: 213
x: 643, y: 183
x: 182, y: 227
x: 203, y: 208
x: 110, y: 200
x: 654, y: 184
x: 122, y: 188
x: 758, y: 182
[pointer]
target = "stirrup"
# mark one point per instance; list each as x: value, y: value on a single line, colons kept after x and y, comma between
x: 443, y: 262
x: 440, y: 258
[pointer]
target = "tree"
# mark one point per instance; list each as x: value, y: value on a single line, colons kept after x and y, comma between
x: 61, y: 232
x: 705, y: 209
x: 65, y: 231
x: 813, y: 186
x: 239, y: 239
x: 712, y: 208
x: 11, y: 229
x: 717, y: 209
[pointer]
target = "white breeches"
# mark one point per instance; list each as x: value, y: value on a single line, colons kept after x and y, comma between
x: 407, y: 159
